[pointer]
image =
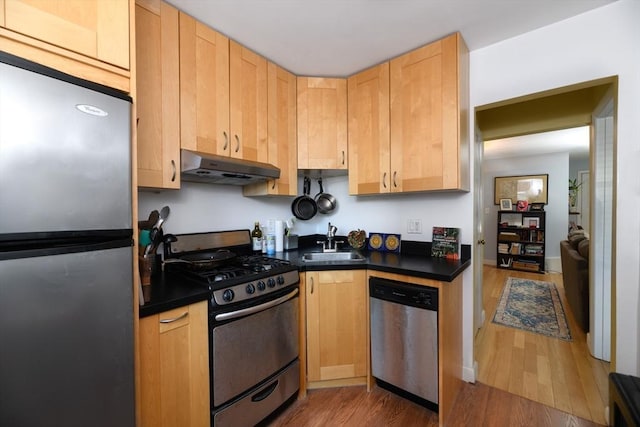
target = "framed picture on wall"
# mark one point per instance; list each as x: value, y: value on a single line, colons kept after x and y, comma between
x: 531, y: 188
x: 505, y: 205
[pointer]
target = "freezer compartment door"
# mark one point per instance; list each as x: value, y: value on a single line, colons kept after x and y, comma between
x: 66, y: 332
x: 65, y: 156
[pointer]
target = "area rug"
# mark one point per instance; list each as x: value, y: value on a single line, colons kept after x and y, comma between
x: 534, y: 306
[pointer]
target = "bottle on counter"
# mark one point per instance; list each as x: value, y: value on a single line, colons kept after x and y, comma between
x: 256, y: 238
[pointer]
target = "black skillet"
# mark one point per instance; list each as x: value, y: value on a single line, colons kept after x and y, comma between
x: 304, y: 207
x: 203, y: 260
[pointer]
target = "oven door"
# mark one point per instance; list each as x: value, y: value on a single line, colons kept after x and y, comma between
x: 252, y: 344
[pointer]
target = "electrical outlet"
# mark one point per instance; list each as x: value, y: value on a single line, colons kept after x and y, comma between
x: 414, y: 226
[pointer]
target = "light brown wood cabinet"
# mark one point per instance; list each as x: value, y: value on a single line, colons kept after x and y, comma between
x: 281, y: 130
x: 223, y: 94
x: 427, y: 100
x: 204, y: 88
x: 248, y: 103
x: 174, y: 368
x: 336, y: 327
x: 322, y: 123
x: 369, y: 151
x: 84, y: 38
x: 158, y: 88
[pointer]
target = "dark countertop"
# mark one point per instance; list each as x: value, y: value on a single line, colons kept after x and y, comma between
x: 168, y: 292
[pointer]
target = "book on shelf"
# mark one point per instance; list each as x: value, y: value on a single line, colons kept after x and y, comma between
x: 445, y: 243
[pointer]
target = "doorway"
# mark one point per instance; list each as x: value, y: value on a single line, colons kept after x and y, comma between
x: 561, y: 108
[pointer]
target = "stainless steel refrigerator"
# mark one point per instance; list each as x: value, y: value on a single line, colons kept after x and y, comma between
x: 66, y: 292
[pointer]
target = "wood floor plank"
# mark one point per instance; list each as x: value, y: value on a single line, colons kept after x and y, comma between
x: 567, y: 376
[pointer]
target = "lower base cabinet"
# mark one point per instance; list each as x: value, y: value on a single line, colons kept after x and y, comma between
x: 336, y: 326
x: 174, y: 368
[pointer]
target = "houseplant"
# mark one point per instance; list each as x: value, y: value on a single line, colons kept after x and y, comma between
x: 574, y: 187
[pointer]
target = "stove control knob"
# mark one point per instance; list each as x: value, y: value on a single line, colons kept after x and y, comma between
x: 250, y: 288
x: 280, y: 280
x: 228, y: 295
x: 261, y: 285
x: 271, y: 282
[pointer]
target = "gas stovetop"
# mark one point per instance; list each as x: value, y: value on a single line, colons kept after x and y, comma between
x: 243, y: 267
x: 241, y: 278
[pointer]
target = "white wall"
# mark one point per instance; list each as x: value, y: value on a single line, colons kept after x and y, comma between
x: 204, y: 207
x: 557, y: 167
x: 596, y: 44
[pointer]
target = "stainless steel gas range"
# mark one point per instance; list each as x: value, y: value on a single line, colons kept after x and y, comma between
x: 253, y: 322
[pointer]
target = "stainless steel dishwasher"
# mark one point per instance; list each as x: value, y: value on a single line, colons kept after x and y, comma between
x: 404, y: 339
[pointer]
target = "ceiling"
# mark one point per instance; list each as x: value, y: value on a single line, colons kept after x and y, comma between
x: 574, y: 141
x: 336, y: 38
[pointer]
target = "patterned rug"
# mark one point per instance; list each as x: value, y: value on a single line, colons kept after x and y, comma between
x: 533, y: 306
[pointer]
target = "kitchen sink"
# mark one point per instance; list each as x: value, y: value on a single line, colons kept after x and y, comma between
x: 332, y: 256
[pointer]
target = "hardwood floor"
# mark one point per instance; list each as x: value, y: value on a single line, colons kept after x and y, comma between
x: 557, y: 373
x: 476, y: 405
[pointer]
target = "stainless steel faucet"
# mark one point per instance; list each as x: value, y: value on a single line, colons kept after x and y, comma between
x: 330, y: 245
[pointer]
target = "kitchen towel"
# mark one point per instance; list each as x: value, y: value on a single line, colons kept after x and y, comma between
x: 279, y: 232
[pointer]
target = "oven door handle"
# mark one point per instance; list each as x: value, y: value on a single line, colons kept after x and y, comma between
x: 251, y: 310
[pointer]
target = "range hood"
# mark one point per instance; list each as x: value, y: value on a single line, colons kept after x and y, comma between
x: 214, y: 169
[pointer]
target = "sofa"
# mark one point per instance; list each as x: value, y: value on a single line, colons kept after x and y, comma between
x: 574, y: 255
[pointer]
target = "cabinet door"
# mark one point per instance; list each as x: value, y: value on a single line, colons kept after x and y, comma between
x: 368, y: 95
x: 174, y: 374
x: 204, y: 88
x: 336, y: 324
x: 158, y: 108
x: 94, y: 28
x: 281, y: 129
x: 248, y: 107
x: 322, y: 123
x: 425, y: 118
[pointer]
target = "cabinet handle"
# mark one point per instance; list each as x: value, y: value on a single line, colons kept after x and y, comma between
x: 395, y: 185
x: 175, y: 319
x: 311, y: 278
x: 384, y: 180
x: 273, y: 187
x: 173, y: 166
x: 226, y: 141
x: 342, y: 157
x: 237, y: 143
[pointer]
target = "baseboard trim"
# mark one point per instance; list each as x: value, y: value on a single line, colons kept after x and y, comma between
x: 469, y: 374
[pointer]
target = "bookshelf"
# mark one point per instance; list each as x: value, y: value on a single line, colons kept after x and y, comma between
x: 520, y: 241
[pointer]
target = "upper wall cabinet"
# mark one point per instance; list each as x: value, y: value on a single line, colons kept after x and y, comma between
x: 429, y: 90
x: 80, y: 37
x: 248, y: 103
x: 204, y: 88
x: 223, y: 94
x: 158, y: 89
x: 369, y: 162
x: 322, y: 123
x: 408, y: 122
x: 281, y: 134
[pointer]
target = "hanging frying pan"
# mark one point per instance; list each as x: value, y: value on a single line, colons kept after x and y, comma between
x: 304, y: 207
x: 325, y: 201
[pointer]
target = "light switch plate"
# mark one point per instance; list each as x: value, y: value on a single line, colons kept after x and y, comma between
x: 414, y: 226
